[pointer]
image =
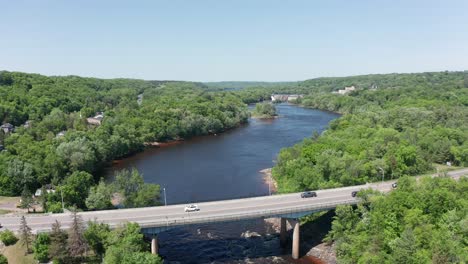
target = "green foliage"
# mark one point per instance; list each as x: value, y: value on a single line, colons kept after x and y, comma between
x: 99, y: 197
x: 420, y: 222
x: 36, y: 156
x: 136, y: 192
x: 126, y: 245
x: 401, y: 123
x: 264, y: 110
x: 76, y: 186
x: 41, y: 247
x: 8, y: 237
x: 96, y: 235
x: 3, y: 259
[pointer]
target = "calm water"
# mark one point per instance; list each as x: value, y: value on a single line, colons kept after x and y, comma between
x: 223, y: 167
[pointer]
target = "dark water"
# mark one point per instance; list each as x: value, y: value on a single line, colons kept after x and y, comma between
x: 223, y: 167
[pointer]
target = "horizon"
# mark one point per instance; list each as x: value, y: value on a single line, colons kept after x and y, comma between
x: 246, y: 81
x: 212, y: 41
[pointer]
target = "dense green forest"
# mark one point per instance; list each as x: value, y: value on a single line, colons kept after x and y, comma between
x: 419, y: 222
x: 402, y: 123
x: 53, y: 142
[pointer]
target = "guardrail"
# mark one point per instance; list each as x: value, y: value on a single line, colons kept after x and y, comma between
x: 191, y: 220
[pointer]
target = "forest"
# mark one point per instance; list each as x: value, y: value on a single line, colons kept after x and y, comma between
x: 421, y: 221
x: 393, y: 125
x: 64, y: 130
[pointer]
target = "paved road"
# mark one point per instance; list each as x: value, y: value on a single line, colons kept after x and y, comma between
x: 173, y: 215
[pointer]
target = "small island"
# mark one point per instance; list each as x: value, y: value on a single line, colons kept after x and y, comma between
x: 264, y: 110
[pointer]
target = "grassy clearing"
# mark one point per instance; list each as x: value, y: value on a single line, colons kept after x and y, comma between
x: 16, y: 254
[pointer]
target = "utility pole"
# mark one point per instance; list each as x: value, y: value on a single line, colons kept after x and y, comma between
x: 383, y: 174
x: 165, y: 200
x: 61, y: 194
x: 269, y: 186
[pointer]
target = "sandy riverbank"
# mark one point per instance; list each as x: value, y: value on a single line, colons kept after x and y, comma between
x: 268, y: 179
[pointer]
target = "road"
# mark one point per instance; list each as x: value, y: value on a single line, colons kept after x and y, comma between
x: 216, y: 211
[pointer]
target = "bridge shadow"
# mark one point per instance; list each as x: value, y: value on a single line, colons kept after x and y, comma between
x: 234, y: 242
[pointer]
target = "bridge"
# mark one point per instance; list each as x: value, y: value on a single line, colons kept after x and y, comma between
x: 288, y: 207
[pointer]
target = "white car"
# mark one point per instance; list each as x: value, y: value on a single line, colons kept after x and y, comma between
x: 191, y: 208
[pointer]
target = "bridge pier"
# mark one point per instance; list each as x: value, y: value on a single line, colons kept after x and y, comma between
x: 154, y: 245
x: 295, y: 243
x: 283, y: 232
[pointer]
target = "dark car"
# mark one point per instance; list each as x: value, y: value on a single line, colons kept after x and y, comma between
x: 308, y: 194
x: 353, y: 194
x: 394, y: 185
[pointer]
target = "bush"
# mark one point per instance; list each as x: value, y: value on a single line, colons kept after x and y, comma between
x: 3, y: 259
x: 8, y: 238
x: 41, y: 247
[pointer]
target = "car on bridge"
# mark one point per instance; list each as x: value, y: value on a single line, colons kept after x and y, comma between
x: 308, y: 194
x: 191, y: 208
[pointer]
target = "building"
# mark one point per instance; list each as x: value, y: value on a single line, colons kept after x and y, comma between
x: 7, y: 128
x: 61, y: 134
x: 96, y: 120
x: 49, y: 189
x: 346, y: 90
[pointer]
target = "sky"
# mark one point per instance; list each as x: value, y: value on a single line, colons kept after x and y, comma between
x: 241, y: 40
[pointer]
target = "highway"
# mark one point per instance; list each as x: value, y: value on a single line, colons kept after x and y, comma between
x: 216, y: 211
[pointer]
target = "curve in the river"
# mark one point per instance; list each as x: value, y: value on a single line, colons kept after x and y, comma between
x: 223, y: 167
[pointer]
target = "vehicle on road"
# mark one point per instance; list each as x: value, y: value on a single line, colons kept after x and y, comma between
x: 394, y: 185
x: 308, y: 194
x: 353, y: 194
x: 191, y: 208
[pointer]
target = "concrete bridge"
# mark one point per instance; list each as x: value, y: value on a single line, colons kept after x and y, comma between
x: 153, y: 220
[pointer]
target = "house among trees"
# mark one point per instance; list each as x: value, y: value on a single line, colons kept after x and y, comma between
x: 7, y: 128
x: 96, y: 120
x: 48, y: 188
x: 61, y: 134
x: 346, y: 90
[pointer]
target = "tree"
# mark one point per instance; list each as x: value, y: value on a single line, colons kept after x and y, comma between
x: 76, y: 188
x: 41, y: 247
x: 58, y: 243
x: 96, y: 235
x: 26, y: 199
x: 137, y: 193
x: 25, y: 234
x: 99, y: 197
x: 3, y: 259
x: 76, y: 242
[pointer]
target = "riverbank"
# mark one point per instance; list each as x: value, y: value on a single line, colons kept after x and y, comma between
x: 268, y: 179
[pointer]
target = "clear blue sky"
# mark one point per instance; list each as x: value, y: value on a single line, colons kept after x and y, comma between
x: 269, y: 40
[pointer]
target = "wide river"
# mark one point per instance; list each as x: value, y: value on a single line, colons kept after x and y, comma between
x: 225, y: 166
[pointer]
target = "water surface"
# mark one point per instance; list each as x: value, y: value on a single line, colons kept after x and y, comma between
x: 219, y: 167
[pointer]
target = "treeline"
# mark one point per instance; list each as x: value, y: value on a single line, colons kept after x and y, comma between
x: 91, y: 243
x: 394, y: 125
x: 57, y: 145
x: 420, y: 222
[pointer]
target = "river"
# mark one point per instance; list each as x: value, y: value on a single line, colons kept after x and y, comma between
x: 225, y: 166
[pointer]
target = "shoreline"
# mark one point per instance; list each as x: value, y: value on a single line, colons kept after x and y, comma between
x: 268, y: 179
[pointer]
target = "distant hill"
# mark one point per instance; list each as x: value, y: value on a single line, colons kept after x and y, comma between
x: 234, y: 85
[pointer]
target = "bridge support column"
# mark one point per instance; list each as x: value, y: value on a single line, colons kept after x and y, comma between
x: 283, y: 233
x: 295, y: 244
x: 154, y: 246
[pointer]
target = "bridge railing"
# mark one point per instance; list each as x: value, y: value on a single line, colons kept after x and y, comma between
x: 192, y: 219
